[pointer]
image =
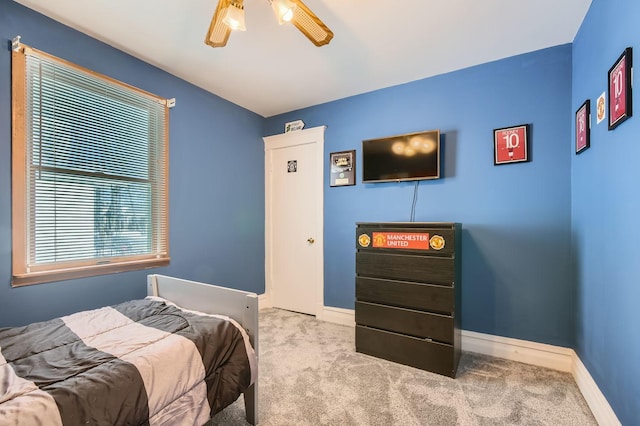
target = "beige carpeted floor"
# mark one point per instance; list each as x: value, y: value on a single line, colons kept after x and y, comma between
x: 310, y: 374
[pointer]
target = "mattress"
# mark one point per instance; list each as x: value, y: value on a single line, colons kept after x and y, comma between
x: 142, y: 362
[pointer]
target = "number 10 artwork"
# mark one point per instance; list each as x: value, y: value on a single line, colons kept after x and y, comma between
x: 583, y: 127
x: 511, y: 144
x: 620, y: 99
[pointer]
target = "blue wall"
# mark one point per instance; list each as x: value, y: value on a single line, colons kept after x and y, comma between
x: 216, y: 180
x: 605, y: 209
x: 549, y: 247
x: 517, y: 276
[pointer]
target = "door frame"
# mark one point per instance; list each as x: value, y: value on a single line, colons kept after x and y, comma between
x: 315, y: 136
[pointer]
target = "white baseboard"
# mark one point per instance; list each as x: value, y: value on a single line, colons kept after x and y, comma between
x: 264, y: 301
x: 549, y: 356
x: 338, y: 316
x: 598, y: 404
x: 540, y: 354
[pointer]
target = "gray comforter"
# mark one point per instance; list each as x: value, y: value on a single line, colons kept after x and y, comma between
x: 142, y: 362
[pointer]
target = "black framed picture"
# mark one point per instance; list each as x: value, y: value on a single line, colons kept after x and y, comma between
x: 511, y: 144
x: 583, y: 127
x: 620, y: 98
x: 343, y: 168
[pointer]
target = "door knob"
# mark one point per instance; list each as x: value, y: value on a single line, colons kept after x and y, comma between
x: 310, y: 240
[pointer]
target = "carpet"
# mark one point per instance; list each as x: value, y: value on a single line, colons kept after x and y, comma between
x: 310, y: 374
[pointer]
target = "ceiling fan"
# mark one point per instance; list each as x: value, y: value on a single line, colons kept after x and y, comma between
x: 229, y: 15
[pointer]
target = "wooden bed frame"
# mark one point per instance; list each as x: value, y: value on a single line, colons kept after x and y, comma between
x: 240, y: 305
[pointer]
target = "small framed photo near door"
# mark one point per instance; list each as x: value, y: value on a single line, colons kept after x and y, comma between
x: 583, y: 127
x: 511, y: 145
x: 343, y: 168
x: 620, y: 99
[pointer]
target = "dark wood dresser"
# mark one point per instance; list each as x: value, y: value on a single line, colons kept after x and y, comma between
x: 408, y: 293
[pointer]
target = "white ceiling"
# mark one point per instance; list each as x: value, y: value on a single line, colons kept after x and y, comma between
x: 271, y: 69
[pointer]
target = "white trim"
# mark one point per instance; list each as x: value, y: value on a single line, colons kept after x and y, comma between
x: 597, y: 402
x: 264, y: 301
x: 540, y: 354
x: 338, y: 316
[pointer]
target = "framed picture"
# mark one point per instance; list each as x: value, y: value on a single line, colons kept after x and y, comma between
x: 511, y: 144
x: 583, y: 127
x: 620, y: 99
x: 343, y: 168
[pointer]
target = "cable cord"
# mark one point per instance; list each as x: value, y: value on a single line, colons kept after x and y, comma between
x: 415, y: 200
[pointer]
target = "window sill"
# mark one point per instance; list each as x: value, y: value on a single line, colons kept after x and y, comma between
x: 19, y: 280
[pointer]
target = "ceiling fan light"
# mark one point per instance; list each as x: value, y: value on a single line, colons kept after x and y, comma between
x: 287, y: 15
x: 229, y: 15
x: 234, y: 17
x: 283, y: 9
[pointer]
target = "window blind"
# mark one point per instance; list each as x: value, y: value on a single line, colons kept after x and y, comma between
x: 95, y: 169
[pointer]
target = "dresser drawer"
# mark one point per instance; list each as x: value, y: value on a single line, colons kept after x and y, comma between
x: 405, y: 294
x: 429, y: 269
x: 423, y: 354
x: 405, y: 321
x: 433, y: 239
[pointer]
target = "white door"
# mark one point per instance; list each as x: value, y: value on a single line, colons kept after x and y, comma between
x: 294, y: 212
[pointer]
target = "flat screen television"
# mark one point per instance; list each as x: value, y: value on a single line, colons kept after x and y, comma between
x: 413, y: 156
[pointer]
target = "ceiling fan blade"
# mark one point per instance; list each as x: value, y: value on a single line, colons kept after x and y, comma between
x: 218, y: 33
x: 310, y: 25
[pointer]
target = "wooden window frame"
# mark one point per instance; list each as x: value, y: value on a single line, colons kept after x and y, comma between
x: 25, y: 274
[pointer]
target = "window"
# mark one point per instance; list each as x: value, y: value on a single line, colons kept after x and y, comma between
x: 89, y: 172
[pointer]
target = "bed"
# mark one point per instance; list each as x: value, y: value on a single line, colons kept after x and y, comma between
x: 177, y: 357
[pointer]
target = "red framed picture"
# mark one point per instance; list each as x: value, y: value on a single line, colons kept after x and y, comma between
x: 583, y: 127
x: 620, y: 99
x: 511, y: 144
